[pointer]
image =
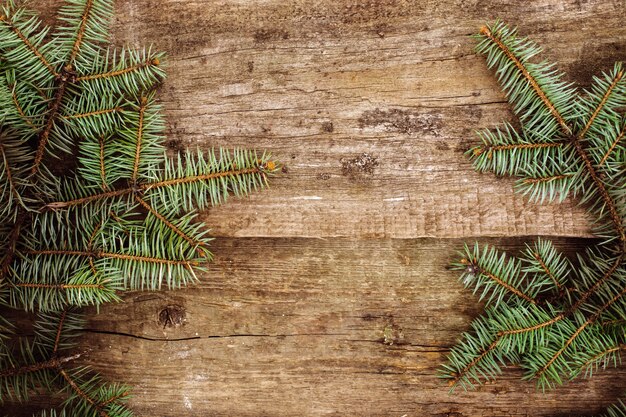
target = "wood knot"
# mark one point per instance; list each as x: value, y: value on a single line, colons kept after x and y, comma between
x: 172, y: 316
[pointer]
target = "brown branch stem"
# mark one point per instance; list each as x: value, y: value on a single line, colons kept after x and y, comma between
x: 29, y: 45
x: 119, y: 72
x: 142, y: 110
x: 485, y: 31
x: 149, y: 186
x: 81, y: 32
x: 52, y: 363
x: 100, y: 254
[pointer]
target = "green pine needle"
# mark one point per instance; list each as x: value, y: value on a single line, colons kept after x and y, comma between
x: 118, y: 214
x: 556, y: 318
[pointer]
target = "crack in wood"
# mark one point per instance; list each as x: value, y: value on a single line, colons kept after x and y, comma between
x: 165, y: 339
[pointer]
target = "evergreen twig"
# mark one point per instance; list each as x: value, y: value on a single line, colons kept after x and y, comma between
x: 557, y: 318
x: 121, y: 215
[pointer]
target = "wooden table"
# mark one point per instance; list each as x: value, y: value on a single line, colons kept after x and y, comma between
x: 329, y: 294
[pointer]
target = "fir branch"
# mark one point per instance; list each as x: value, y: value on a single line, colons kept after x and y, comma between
x: 114, y: 219
x: 143, y: 102
x: 80, y: 33
x: 59, y: 330
x: 51, y: 119
x: 532, y: 328
x: 199, y: 178
x: 29, y: 45
x: 112, y: 255
x: 547, y: 271
x: 539, y: 373
x: 616, y: 410
x: 564, y: 148
x: 103, y: 175
x: 601, y: 105
x: 546, y: 179
x: 8, y: 171
x: 610, y: 204
x: 459, y: 375
x: 601, y: 358
x: 613, y: 146
x: 53, y: 363
x: 115, y: 398
x: 19, y: 108
x: 116, y: 109
x: 11, y: 246
x: 84, y: 200
x: 494, y: 148
x: 120, y: 72
x: 474, y: 268
x: 82, y: 394
x: 499, y: 36
x: 150, y: 186
x: 505, y: 151
x: 59, y: 286
x: 166, y: 222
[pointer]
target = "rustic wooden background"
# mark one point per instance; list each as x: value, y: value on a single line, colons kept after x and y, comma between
x: 329, y: 294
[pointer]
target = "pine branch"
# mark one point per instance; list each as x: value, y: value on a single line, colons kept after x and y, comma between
x: 152, y: 186
x: 152, y: 62
x: 20, y: 40
x: 53, y: 363
x: 617, y: 410
x: 121, y: 215
x: 51, y: 119
x: 540, y: 99
x: 560, y: 318
x: 613, y: 145
x: 143, y: 102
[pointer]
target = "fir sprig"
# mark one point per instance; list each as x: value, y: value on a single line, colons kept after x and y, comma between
x: 557, y: 318
x: 120, y: 214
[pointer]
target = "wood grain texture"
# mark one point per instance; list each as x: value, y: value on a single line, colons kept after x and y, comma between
x: 320, y: 83
x: 292, y: 327
x: 330, y: 293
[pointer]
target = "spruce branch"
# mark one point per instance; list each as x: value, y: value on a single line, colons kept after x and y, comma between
x: 616, y: 410
x: 556, y: 318
x: 119, y: 214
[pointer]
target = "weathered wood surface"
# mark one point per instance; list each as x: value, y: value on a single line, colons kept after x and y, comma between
x: 316, y: 327
x: 330, y: 293
x: 320, y: 83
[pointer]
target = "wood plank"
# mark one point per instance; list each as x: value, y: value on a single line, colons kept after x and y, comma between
x: 394, y: 79
x: 321, y: 83
x: 316, y: 327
